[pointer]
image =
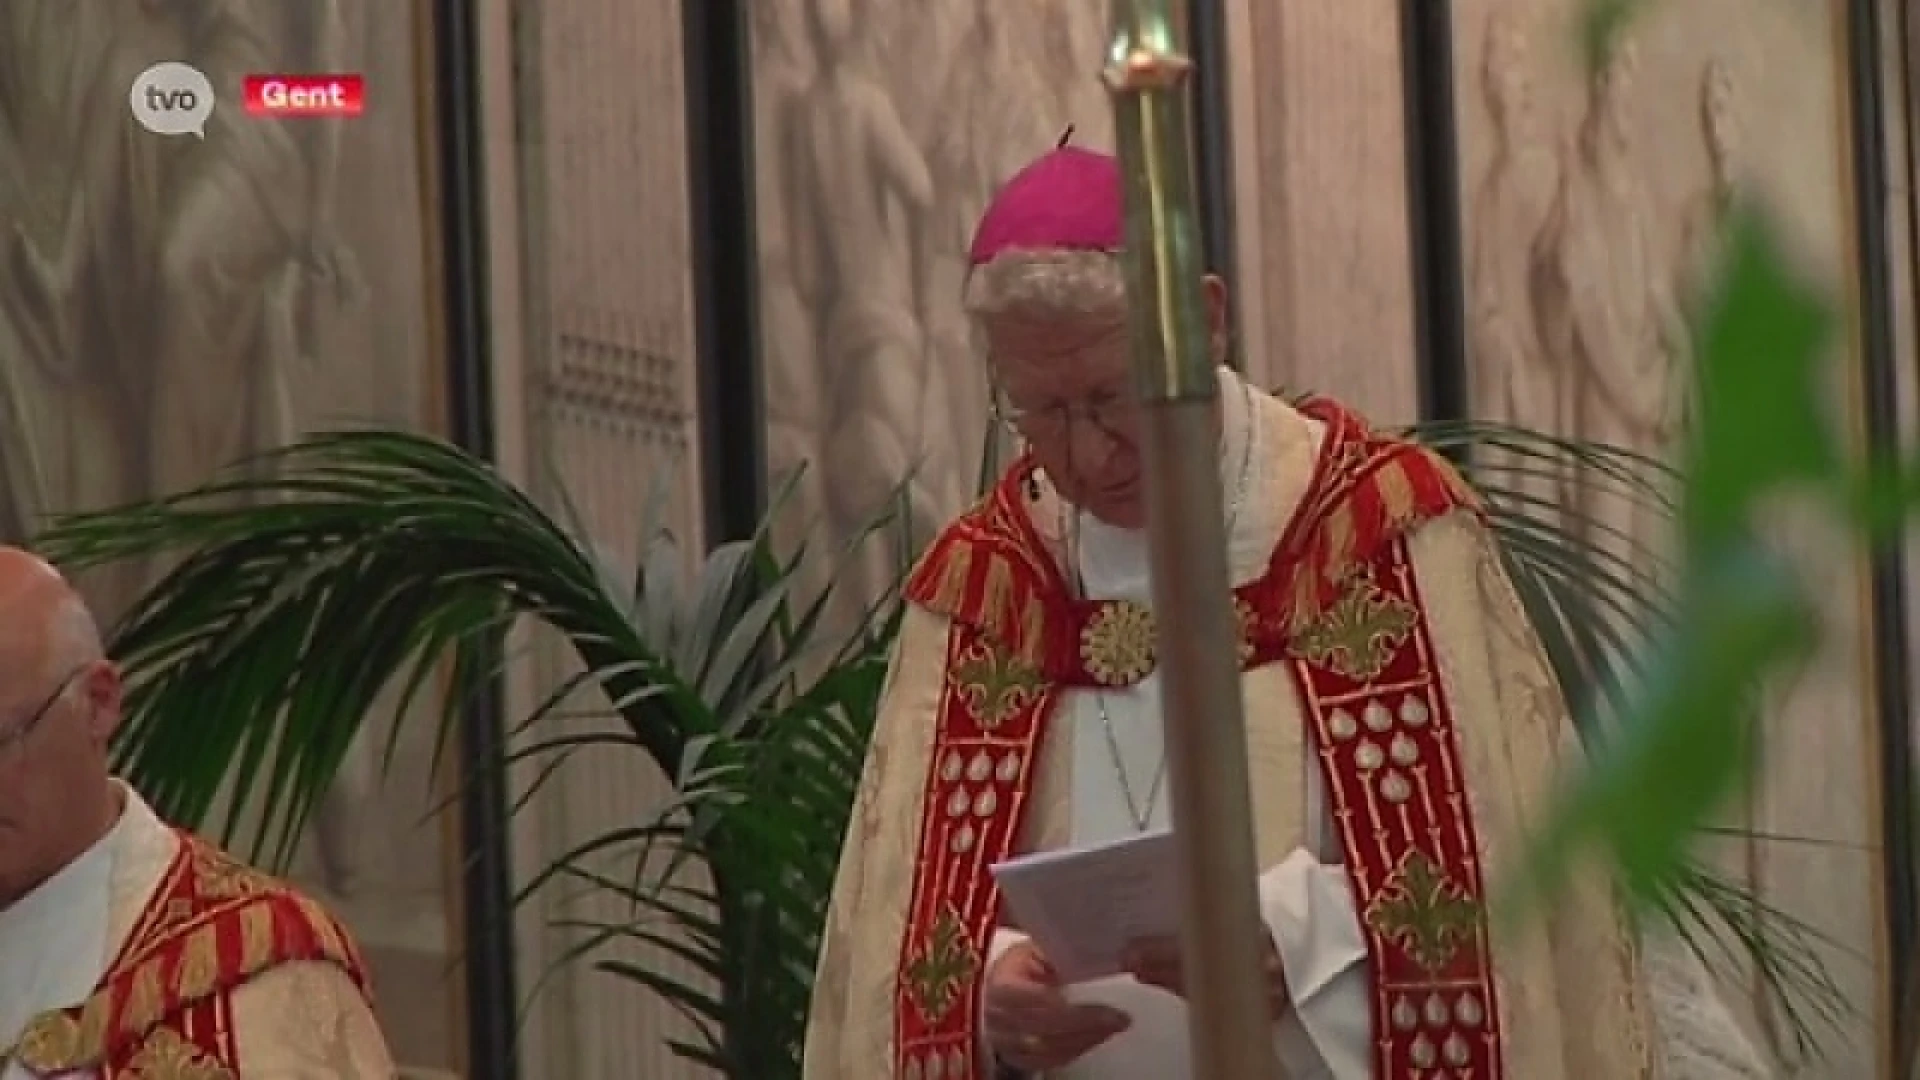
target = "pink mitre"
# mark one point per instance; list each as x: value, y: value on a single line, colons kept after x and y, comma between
x: 1068, y: 200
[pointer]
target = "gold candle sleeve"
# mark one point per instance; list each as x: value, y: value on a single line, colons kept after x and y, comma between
x: 1223, y: 938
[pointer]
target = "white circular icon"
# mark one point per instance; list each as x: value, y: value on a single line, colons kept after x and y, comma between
x: 172, y: 99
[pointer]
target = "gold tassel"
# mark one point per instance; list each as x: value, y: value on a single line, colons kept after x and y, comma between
x: 952, y: 590
x: 145, y: 1001
x: 1396, y: 493
x: 256, y: 938
x: 1340, y: 542
x: 199, y: 968
x: 996, y: 598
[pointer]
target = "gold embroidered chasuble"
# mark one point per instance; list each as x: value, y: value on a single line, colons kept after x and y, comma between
x: 223, y: 972
x: 1415, y: 749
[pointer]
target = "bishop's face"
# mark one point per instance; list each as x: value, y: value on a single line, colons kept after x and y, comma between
x: 53, y: 767
x: 1066, y: 385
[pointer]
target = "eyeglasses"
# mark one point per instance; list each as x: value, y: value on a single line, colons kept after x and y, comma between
x: 20, y: 730
x: 1115, y: 415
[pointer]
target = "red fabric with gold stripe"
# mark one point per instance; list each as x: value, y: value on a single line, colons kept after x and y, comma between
x: 1323, y: 606
x: 992, y: 716
x: 1398, y: 798
x: 164, y: 1007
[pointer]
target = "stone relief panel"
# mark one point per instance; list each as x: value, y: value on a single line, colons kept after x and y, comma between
x: 169, y: 305
x: 881, y: 132
x: 1591, y: 203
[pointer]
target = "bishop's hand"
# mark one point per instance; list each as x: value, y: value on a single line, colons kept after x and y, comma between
x: 1156, y: 962
x: 1030, y: 1024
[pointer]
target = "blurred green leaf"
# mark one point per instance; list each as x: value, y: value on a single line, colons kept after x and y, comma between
x: 1762, y: 418
x: 1602, y: 24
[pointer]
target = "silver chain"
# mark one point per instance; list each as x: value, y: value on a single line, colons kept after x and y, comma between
x: 1142, y: 818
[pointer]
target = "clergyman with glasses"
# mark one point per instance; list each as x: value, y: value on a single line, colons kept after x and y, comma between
x: 127, y: 947
x: 1403, y: 728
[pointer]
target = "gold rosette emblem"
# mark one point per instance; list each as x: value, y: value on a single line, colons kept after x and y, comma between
x: 1116, y: 646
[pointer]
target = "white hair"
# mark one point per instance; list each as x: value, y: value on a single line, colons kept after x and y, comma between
x: 1048, y: 284
x: 73, y: 639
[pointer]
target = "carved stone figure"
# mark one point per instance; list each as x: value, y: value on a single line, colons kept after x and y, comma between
x: 1700, y: 227
x: 1608, y: 308
x: 979, y: 129
x: 23, y: 486
x: 862, y: 180
x: 796, y: 411
x: 1082, y: 30
x: 1518, y: 380
x: 71, y: 181
x: 155, y: 292
x: 884, y: 129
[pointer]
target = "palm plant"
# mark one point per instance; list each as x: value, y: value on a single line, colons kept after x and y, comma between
x: 364, y: 559
x: 367, y: 560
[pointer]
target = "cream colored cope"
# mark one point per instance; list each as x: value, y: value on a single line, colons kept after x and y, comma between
x: 1108, y: 758
x: 1572, y: 990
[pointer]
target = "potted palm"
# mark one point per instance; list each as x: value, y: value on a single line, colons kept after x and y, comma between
x: 364, y: 559
x: 410, y: 557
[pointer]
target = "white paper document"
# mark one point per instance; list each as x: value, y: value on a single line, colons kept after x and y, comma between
x: 1083, y: 906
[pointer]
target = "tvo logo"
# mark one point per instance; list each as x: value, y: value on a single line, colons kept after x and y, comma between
x: 172, y: 99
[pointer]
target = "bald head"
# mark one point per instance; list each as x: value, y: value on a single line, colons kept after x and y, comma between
x: 45, y: 627
x: 60, y: 702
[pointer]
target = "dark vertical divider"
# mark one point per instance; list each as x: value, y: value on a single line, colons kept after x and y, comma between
x: 1433, y: 207
x: 720, y: 186
x: 1213, y: 131
x: 485, y: 878
x: 1881, y: 382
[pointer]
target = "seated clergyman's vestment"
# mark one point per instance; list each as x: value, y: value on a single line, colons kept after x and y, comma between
x: 156, y: 955
x: 1402, y: 725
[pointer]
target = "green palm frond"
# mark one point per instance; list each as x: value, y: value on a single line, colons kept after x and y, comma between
x: 766, y: 816
x: 304, y: 591
x: 1732, y: 931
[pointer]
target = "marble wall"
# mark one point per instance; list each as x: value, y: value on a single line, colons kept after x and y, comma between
x: 170, y: 305
x: 881, y: 131
x: 1590, y: 206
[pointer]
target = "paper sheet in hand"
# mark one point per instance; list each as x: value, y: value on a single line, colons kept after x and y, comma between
x: 1084, y: 906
